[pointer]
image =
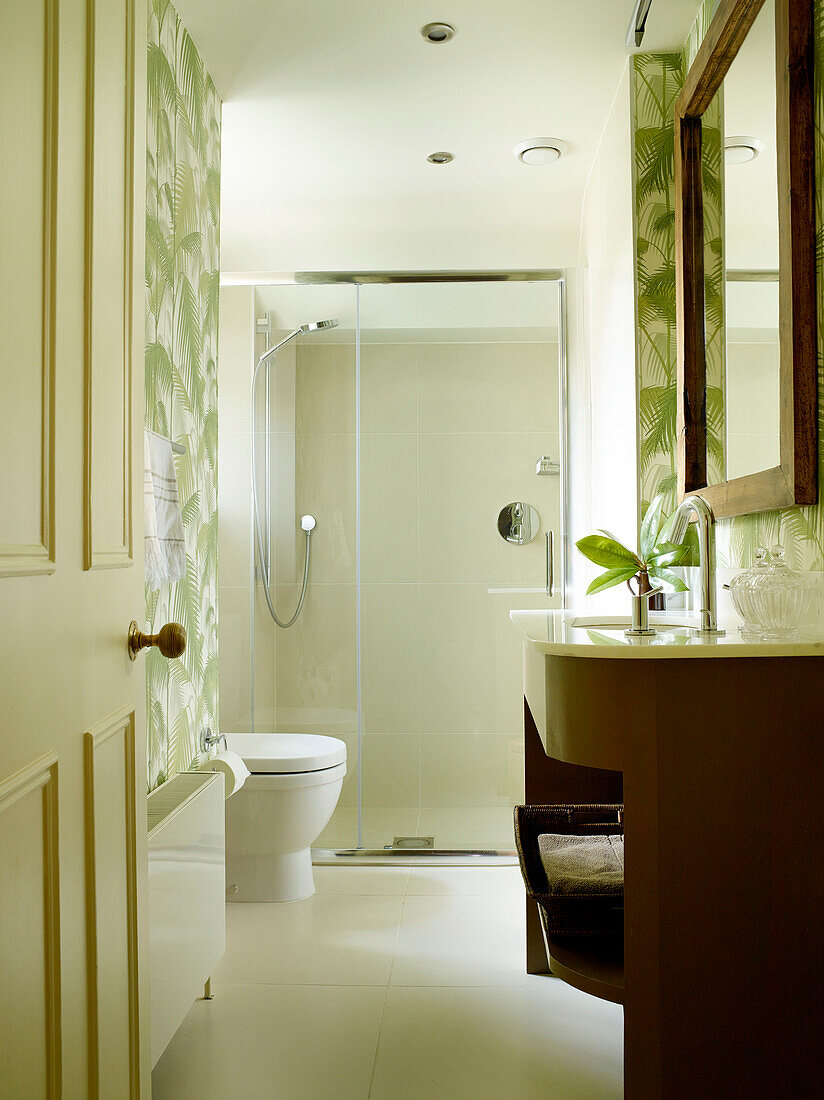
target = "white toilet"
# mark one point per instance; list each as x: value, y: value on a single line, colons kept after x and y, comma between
x: 281, y: 809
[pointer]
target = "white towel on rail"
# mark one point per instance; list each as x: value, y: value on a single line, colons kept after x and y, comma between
x: 165, y: 546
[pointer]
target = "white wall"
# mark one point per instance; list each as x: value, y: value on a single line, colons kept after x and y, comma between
x: 236, y: 358
x: 602, y: 377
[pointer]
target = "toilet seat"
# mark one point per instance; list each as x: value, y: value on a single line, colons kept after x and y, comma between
x: 287, y: 753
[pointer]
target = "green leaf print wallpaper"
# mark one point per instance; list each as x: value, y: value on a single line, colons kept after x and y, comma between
x: 657, y: 79
x: 182, y: 277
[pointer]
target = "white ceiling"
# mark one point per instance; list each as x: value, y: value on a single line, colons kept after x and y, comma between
x: 331, y: 107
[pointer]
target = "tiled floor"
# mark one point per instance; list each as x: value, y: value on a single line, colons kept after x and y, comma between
x: 463, y: 827
x: 391, y: 984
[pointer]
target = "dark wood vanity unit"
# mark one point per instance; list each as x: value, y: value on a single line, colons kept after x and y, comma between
x: 720, y: 763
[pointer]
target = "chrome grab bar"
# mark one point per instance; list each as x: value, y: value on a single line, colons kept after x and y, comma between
x: 550, y: 564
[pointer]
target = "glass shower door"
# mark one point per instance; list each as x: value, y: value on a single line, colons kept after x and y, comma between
x: 460, y: 415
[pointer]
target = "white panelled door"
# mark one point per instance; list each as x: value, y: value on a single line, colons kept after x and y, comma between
x: 72, y: 734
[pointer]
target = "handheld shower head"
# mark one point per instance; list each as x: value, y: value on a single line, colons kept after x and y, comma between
x: 313, y: 326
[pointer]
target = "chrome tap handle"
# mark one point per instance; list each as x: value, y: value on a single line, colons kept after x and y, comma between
x: 640, y: 613
x: 208, y: 740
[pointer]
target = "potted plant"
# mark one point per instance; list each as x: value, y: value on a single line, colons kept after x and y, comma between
x: 654, y: 557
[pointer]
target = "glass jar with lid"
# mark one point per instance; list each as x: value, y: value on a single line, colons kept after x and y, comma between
x: 770, y: 597
x: 742, y: 589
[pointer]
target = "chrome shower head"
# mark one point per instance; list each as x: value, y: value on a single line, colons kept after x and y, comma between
x: 313, y: 326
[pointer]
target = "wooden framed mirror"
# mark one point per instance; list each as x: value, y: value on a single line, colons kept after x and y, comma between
x: 781, y: 472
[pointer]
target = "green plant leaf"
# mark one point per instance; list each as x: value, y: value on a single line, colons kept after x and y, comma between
x: 663, y: 574
x: 665, y: 534
x: 611, y: 578
x: 650, y: 526
x: 607, y: 551
x: 614, y: 537
x: 667, y: 553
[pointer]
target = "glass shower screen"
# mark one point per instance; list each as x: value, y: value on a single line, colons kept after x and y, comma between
x: 406, y: 431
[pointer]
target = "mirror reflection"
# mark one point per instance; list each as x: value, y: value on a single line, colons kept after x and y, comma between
x: 752, y: 374
x: 749, y: 198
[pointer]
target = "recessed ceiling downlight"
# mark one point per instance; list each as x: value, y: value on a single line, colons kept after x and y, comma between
x: 742, y: 149
x: 539, y: 151
x: 441, y: 158
x: 438, y: 33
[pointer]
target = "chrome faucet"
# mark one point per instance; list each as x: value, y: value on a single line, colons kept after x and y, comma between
x: 696, y: 506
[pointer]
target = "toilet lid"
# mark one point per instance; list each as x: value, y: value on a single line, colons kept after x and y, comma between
x: 287, y: 752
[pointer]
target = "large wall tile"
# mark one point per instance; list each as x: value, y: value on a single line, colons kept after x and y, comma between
x: 457, y: 659
x: 326, y: 488
x: 316, y: 657
x: 265, y: 663
x: 389, y: 507
x: 389, y: 388
x: 286, y: 534
x: 507, y: 642
x: 391, y: 658
x: 464, y: 481
x: 461, y: 770
x: 349, y: 791
x: 282, y: 390
x: 464, y: 827
x: 325, y: 387
x: 391, y: 770
x: 470, y: 660
x: 488, y: 387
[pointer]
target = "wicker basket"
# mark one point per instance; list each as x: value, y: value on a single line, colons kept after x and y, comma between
x: 567, y: 915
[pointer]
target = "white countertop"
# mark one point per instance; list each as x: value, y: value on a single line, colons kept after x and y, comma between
x: 570, y: 634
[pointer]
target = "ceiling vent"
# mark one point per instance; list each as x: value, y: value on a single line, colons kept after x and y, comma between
x: 538, y: 151
x: 742, y: 149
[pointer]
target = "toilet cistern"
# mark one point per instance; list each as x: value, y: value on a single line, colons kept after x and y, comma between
x: 676, y: 532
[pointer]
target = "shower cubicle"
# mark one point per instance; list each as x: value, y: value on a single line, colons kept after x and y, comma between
x: 389, y: 450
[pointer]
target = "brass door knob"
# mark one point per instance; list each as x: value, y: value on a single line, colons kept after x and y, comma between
x: 170, y: 640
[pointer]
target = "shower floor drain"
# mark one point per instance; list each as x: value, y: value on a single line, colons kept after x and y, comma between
x: 416, y: 842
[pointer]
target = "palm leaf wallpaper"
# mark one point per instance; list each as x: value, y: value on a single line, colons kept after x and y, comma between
x: 657, y: 79
x: 182, y: 277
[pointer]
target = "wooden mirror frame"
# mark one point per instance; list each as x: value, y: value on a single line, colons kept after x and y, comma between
x: 794, y: 481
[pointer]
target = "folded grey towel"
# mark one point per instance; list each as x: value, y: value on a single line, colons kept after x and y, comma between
x: 583, y: 864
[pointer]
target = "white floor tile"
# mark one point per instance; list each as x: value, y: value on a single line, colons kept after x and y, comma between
x: 328, y: 940
x: 257, y: 1042
x: 421, y: 992
x: 450, y: 940
x: 546, y: 1042
x: 361, y: 880
x: 495, y: 881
